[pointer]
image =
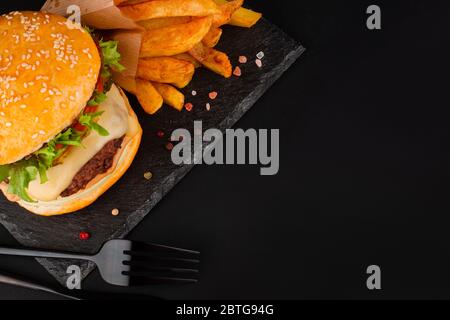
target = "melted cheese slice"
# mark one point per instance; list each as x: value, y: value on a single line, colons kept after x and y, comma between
x: 115, y: 119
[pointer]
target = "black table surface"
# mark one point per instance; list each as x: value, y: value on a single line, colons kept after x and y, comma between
x: 363, y: 180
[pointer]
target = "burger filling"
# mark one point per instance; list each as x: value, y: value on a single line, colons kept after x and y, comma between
x: 99, y: 164
x: 66, y: 164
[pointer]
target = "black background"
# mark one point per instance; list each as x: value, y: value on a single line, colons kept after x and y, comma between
x: 363, y: 179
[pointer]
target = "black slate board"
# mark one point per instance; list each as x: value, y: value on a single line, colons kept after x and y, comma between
x: 134, y: 195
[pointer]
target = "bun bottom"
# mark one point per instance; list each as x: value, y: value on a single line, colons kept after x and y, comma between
x: 98, y: 186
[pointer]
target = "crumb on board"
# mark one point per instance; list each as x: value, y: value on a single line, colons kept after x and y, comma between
x: 258, y: 63
x: 148, y: 175
x: 189, y: 106
x: 115, y: 212
x: 194, y: 93
x: 243, y: 59
x: 208, y: 107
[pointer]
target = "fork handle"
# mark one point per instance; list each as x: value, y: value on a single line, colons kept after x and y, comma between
x: 30, y: 285
x: 42, y: 254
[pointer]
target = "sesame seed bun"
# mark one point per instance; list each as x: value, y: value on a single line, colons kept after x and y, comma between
x: 122, y: 161
x: 48, y: 71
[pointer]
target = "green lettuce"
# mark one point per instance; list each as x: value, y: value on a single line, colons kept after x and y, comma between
x: 88, y: 120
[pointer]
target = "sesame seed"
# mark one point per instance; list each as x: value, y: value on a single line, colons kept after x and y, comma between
x: 23, y: 106
x: 208, y: 107
x: 34, y: 136
x: 8, y: 124
x: 41, y: 132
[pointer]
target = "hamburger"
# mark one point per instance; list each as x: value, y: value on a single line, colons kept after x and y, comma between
x: 67, y: 132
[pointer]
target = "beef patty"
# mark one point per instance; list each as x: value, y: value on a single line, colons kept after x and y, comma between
x: 99, y: 164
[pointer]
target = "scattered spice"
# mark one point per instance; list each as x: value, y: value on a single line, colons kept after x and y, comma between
x: 115, y: 212
x: 148, y: 175
x: 258, y: 63
x: 237, y: 72
x: 243, y: 59
x: 160, y: 134
x: 194, y: 93
x: 189, y: 106
x: 208, y: 107
x: 169, y: 146
x: 213, y: 95
x: 84, y: 235
x: 260, y: 55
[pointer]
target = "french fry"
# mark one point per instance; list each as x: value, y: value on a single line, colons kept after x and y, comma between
x: 187, y: 57
x: 182, y: 84
x: 243, y: 17
x: 159, y: 23
x: 212, y: 38
x: 172, y: 40
x: 227, y: 9
x: 169, y: 8
x: 148, y: 96
x: 170, y: 95
x: 212, y: 59
x: 165, y: 70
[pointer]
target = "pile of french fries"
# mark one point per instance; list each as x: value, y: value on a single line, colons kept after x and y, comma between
x: 180, y: 36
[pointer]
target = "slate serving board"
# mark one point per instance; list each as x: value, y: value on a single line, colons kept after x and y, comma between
x: 135, y: 196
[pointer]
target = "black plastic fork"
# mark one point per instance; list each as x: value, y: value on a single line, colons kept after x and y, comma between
x: 131, y: 263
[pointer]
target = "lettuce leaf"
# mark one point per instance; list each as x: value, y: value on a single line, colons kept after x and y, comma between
x: 4, y: 172
x: 111, y: 58
x: 88, y: 120
x: 97, y: 98
x: 21, y: 174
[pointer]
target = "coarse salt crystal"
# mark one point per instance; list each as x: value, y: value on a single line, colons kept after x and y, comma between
x: 237, y: 72
x: 260, y: 55
x: 213, y: 95
x: 242, y: 59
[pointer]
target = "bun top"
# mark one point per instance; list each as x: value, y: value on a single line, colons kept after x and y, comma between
x: 48, y: 71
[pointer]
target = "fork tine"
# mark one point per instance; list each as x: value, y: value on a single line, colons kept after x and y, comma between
x: 159, y: 259
x: 137, y: 266
x: 151, y: 247
x: 137, y: 279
